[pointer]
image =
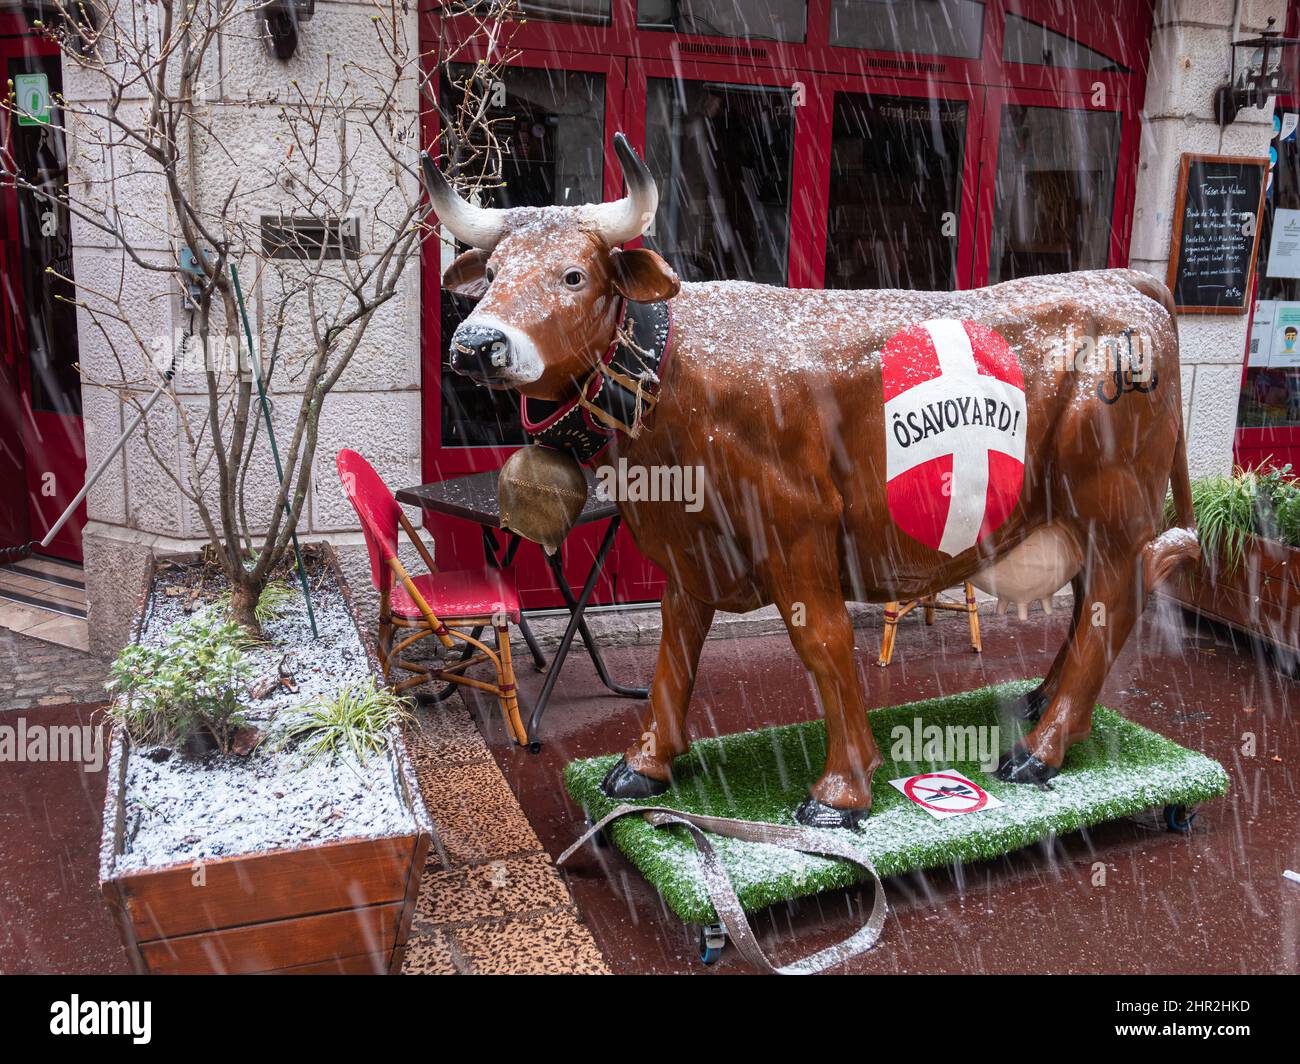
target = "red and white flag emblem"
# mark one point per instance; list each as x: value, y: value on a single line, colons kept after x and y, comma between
x: 955, y: 425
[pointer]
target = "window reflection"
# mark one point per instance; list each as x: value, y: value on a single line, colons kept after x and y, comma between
x: 591, y: 11
x: 770, y: 20
x: 1031, y: 43
x: 927, y: 27
x: 721, y: 155
x: 895, y: 196
x: 552, y: 123
x: 1055, y: 191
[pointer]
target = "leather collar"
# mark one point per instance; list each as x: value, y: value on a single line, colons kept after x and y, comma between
x: 617, y: 398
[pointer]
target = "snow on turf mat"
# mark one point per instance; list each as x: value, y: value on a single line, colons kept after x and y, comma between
x: 1120, y: 770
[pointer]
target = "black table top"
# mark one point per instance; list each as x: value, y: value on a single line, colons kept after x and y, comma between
x: 474, y: 498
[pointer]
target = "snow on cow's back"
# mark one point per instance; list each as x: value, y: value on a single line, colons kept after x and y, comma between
x: 757, y: 327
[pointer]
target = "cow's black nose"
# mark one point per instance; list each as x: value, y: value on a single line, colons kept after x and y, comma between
x: 480, y: 351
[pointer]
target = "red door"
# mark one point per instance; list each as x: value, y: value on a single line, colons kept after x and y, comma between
x: 42, y: 441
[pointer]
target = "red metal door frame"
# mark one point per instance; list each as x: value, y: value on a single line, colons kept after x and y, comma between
x: 54, y: 444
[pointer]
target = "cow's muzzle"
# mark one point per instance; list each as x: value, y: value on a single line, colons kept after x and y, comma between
x: 481, y: 353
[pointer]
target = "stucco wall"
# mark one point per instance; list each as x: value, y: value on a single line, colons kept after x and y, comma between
x: 375, y: 407
x: 1190, y: 58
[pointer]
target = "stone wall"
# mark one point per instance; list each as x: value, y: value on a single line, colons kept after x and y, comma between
x: 1190, y: 57
x: 375, y: 407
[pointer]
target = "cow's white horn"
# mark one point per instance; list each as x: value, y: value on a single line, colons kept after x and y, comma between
x: 628, y: 218
x: 479, y: 227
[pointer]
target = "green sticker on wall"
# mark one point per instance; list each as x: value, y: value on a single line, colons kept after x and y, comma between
x: 32, y: 92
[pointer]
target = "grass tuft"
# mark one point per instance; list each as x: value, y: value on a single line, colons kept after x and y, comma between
x: 356, y: 718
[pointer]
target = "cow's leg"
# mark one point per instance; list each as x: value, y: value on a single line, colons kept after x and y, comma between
x: 646, y: 769
x: 822, y: 635
x: 1031, y: 704
x: 1115, y: 585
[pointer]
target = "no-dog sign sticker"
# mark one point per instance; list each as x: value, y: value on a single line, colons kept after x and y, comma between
x: 946, y: 793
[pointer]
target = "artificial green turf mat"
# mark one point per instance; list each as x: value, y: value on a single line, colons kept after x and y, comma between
x: 1120, y: 770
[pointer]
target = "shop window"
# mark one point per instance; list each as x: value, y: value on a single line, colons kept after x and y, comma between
x: 895, y: 193
x: 721, y: 155
x: 760, y: 20
x: 1034, y: 44
x: 1055, y: 191
x: 926, y: 27
x: 1270, y: 394
x: 552, y: 123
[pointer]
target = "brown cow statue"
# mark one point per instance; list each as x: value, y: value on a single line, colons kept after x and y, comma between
x: 855, y: 445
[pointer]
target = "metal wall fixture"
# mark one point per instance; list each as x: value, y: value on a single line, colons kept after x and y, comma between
x: 280, y: 19
x: 1267, y: 70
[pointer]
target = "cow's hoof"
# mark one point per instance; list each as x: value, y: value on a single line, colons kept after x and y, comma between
x: 815, y: 814
x: 1030, y: 705
x: 623, y: 782
x: 1018, y: 765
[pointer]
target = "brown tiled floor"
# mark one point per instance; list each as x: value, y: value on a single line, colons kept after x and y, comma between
x: 490, y: 901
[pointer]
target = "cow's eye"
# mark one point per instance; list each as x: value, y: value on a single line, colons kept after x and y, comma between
x: 490, y: 274
x: 574, y: 278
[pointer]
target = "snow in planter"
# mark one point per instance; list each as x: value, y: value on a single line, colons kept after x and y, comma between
x: 181, y: 808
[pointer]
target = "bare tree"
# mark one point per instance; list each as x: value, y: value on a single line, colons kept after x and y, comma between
x: 287, y: 191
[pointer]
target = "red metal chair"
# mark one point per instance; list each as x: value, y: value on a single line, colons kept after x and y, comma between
x: 433, y: 604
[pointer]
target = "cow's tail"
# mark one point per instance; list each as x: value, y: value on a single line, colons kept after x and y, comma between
x: 1179, y: 544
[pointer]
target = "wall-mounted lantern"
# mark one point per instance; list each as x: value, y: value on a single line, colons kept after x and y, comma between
x: 280, y: 19
x: 1267, y: 69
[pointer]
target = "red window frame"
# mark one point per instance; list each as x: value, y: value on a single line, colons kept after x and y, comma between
x: 628, y: 56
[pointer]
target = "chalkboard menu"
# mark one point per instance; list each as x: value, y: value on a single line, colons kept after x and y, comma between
x: 1216, y: 233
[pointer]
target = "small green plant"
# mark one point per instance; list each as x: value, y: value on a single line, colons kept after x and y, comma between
x: 274, y: 600
x: 356, y: 717
x: 190, y: 685
x: 1231, y: 509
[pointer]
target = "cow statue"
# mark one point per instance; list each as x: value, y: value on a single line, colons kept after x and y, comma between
x: 857, y: 445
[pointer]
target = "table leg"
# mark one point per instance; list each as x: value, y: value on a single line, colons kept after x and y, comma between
x: 575, y: 624
x: 593, y: 648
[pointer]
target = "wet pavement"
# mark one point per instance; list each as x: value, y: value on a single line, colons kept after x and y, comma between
x: 52, y: 916
x: 1121, y: 897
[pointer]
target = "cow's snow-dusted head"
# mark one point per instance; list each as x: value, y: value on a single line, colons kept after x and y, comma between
x: 551, y: 281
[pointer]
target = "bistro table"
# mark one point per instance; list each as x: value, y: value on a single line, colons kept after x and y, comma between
x: 474, y: 498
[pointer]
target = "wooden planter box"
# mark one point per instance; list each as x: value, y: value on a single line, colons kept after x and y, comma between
x: 337, y: 907
x: 1261, y: 597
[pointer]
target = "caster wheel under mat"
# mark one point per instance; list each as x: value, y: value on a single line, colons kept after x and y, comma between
x: 1179, y: 818
x: 713, y: 937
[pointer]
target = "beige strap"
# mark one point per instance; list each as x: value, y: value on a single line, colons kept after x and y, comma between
x: 723, y: 896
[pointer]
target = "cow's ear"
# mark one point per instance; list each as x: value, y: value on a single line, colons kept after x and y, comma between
x: 467, y: 275
x: 642, y: 276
